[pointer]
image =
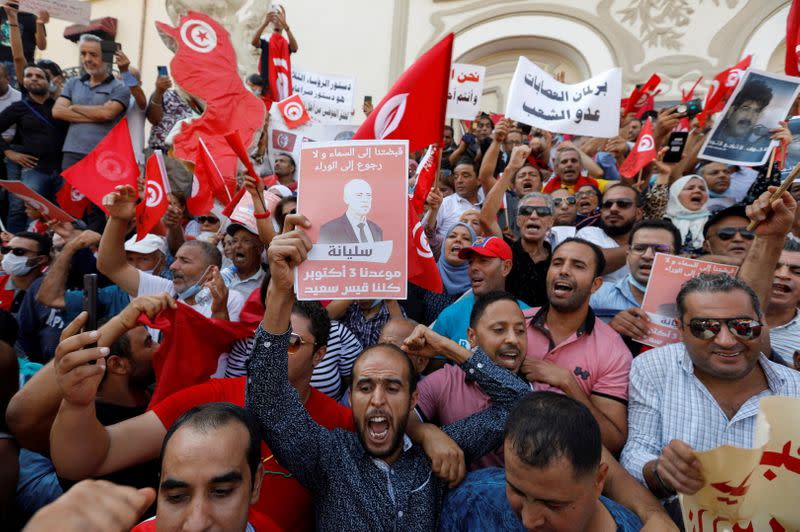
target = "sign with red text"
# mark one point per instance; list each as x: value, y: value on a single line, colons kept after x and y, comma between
x: 355, y: 195
x: 667, y: 275
x: 465, y: 91
x: 752, y: 489
x: 49, y: 210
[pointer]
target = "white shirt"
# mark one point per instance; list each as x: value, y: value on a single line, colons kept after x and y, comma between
x: 741, y: 181
x: 136, y: 119
x: 11, y: 96
x: 354, y: 222
x: 150, y: 284
x: 559, y: 233
x: 784, y: 339
x: 595, y: 235
x: 453, y: 206
x: 245, y: 287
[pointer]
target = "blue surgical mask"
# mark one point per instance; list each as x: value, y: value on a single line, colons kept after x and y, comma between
x: 193, y: 289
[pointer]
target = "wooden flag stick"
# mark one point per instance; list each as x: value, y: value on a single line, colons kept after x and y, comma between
x: 639, y: 177
x: 771, y: 162
x: 778, y: 193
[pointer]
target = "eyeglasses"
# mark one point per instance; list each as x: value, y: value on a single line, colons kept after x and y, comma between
x: 622, y: 203
x: 726, y: 233
x: 569, y: 199
x: 707, y: 328
x: 207, y: 219
x: 585, y: 194
x: 19, y: 252
x: 641, y: 249
x: 295, y: 342
x: 527, y: 210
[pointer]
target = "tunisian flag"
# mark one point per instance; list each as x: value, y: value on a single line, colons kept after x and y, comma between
x: 155, y: 202
x: 642, y: 97
x: 642, y: 154
x: 415, y: 106
x: 190, y: 347
x: 207, y: 183
x: 792, y: 66
x: 422, y: 269
x: 279, y: 68
x: 72, y: 201
x: 426, y: 174
x: 722, y: 86
x: 293, y: 111
x: 109, y: 165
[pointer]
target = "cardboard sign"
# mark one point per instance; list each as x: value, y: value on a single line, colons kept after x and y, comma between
x: 355, y: 195
x: 465, y: 91
x: 37, y: 201
x: 667, y: 275
x: 590, y: 107
x: 69, y: 10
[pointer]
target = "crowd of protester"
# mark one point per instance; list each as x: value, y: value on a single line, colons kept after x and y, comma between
x: 519, y: 397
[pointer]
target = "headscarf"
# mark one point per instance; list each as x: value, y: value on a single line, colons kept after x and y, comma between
x: 454, y: 278
x: 688, y: 222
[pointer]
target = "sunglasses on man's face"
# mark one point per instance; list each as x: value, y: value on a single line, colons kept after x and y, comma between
x: 207, y: 219
x: 295, y: 343
x: 19, y: 252
x: 569, y: 199
x: 727, y: 233
x: 527, y: 210
x: 622, y: 203
x: 708, y: 328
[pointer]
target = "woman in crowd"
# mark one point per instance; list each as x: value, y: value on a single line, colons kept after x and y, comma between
x: 453, y: 270
x: 686, y: 209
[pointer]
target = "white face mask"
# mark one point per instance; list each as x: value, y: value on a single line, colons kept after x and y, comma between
x: 16, y: 266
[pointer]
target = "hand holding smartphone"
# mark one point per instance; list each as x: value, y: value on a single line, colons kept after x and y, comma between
x: 90, y: 304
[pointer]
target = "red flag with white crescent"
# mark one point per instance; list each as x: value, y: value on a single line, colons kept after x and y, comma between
x: 792, y: 58
x: 155, y: 202
x: 415, y: 106
x: 642, y: 154
x: 207, y: 183
x: 641, y: 96
x: 426, y: 175
x: 422, y: 268
x: 722, y: 87
x: 293, y: 111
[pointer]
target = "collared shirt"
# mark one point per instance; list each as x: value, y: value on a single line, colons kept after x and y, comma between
x: 367, y: 330
x: 245, y: 287
x: 528, y: 279
x: 668, y: 402
x: 350, y: 491
x: 595, y: 354
x: 612, y: 298
x: 357, y: 225
x: 453, y: 206
x: 785, y: 339
x: 596, y: 235
x: 83, y: 137
x: 454, y: 320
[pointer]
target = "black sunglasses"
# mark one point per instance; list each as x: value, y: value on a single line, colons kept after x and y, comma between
x: 207, y: 219
x: 527, y: 210
x: 622, y: 203
x: 726, y: 233
x: 569, y: 199
x: 708, y: 328
x: 19, y: 252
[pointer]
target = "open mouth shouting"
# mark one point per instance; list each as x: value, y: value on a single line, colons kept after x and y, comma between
x: 562, y: 288
x: 378, y: 429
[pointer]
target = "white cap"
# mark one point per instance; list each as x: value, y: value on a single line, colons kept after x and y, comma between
x: 147, y: 245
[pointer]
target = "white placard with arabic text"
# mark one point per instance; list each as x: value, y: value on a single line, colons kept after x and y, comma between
x: 464, y: 93
x: 70, y: 10
x: 328, y: 99
x: 590, y: 107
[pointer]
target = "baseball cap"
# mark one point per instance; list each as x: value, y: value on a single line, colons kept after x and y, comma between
x: 148, y: 244
x: 488, y: 247
x: 235, y: 225
x: 736, y: 211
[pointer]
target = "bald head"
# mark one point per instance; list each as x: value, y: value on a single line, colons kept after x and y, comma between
x: 395, y: 332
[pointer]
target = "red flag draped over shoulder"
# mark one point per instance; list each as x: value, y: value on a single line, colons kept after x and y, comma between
x: 422, y: 268
x: 792, y: 60
x: 642, y: 154
x: 415, y: 106
x: 279, y: 68
x: 110, y: 164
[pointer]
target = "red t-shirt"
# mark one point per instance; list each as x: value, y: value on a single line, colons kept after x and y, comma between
x: 283, y: 500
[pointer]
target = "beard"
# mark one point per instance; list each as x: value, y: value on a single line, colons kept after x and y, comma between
x: 616, y: 230
x: 397, y: 438
x: 38, y: 90
x: 573, y: 302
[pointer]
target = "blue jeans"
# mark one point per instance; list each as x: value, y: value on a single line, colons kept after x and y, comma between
x: 38, y: 484
x: 41, y: 182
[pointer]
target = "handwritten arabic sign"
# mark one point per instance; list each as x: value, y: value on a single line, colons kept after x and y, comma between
x: 355, y: 195
x: 667, y: 275
x: 35, y: 200
x: 464, y: 93
x: 590, y: 107
x: 328, y: 99
x: 71, y: 10
x: 752, y: 489
x: 742, y: 136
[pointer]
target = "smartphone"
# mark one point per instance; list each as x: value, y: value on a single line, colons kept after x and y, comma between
x: 275, y: 8
x: 108, y: 49
x: 90, y: 304
x: 367, y: 99
x: 162, y: 71
x: 675, y: 145
x: 691, y: 108
x: 469, y: 138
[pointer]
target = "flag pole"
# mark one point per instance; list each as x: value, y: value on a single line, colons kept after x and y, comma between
x: 771, y: 162
x: 778, y: 193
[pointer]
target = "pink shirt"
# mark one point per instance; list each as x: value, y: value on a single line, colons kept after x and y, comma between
x: 445, y: 397
x: 596, y: 355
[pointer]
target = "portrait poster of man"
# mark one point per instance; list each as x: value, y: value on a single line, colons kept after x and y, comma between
x: 742, y: 132
x: 355, y: 195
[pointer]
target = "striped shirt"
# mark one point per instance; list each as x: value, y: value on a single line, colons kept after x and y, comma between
x: 784, y: 339
x: 343, y: 349
x: 667, y: 402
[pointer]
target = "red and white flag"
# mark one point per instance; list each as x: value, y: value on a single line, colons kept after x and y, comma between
x: 642, y: 154
x: 426, y: 175
x: 155, y: 202
x: 109, y: 165
x: 642, y: 97
x: 293, y: 111
x: 415, y: 106
x: 72, y: 201
x: 792, y: 59
x: 422, y: 268
x: 207, y: 183
x: 722, y: 86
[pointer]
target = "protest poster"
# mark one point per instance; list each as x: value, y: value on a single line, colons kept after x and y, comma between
x: 283, y: 140
x: 590, y: 107
x: 244, y: 212
x: 465, y: 91
x: 752, y: 489
x: 37, y: 201
x: 667, y: 275
x: 355, y: 195
x: 742, y: 135
x: 70, y: 10
x: 328, y: 99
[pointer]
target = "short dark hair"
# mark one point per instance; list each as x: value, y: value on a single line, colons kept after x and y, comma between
x: 45, y: 243
x: 446, y: 179
x: 50, y: 66
x: 256, y: 79
x: 213, y: 416
x: 715, y: 283
x: 482, y: 302
x: 288, y: 156
x: 279, y: 216
x: 450, y: 129
x: 413, y: 376
x: 658, y: 223
x: 599, y: 258
x: 636, y: 194
x: 318, y: 316
x: 791, y: 245
x: 467, y: 161
x: 212, y: 254
x: 545, y: 426
x: 734, y: 211
x: 755, y: 90
x: 46, y: 72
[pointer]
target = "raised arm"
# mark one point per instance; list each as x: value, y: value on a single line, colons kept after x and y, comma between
x: 489, y: 161
x: 494, y: 198
x: 41, y: 33
x: 256, y: 40
x: 123, y: 64
x: 51, y: 292
x: 111, y: 260
x: 281, y: 16
x: 15, y: 36
x: 155, y: 107
x: 263, y: 219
